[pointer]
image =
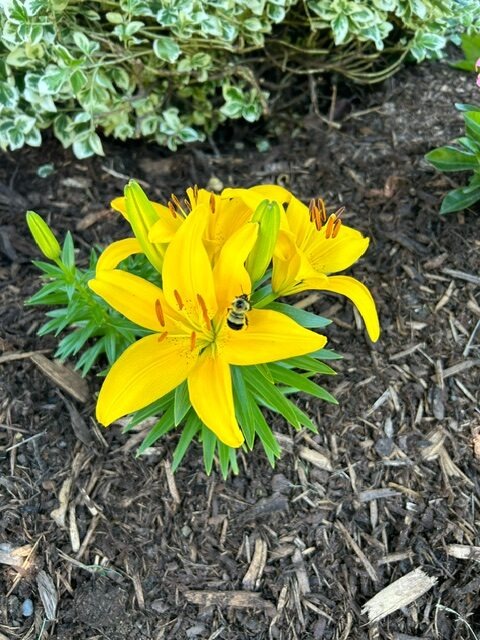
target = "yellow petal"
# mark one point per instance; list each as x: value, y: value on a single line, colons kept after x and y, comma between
x: 133, y: 297
x: 227, y: 217
x: 269, y: 336
x: 118, y: 204
x: 210, y: 390
x: 256, y: 195
x: 298, y: 217
x: 111, y: 257
x: 146, y: 371
x: 329, y: 255
x: 187, y: 272
x: 166, y: 226
x: 142, y: 216
x: 286, y: 262
x: 231, y: 277
x: 356, y: 291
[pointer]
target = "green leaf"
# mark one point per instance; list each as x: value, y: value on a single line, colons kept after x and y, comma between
x: 209, y: 443
x: 68, y: 252
x: 224, y: 459
x: 243, y: 406
x: 52, y: 80
x: 192, y: 426
x: 298, y: 381
x: 166, y: 49
x: 152, y: 409
x: 472, y: 122
x: 270, y: 395
x: 305, y: 318
x: 307, y: 363
x: 269, y: 442
x: 90, y: 356
x: 461, y: 198
x: 182, y: 402
x: 8, y: 95
x: 163, y: 426
x: 326, y: 354
x: 452, y: 159
x: 339, y: 27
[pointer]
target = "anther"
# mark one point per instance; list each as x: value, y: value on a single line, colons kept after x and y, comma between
x: 203, y: 307
x: 171, y: 208
x: 322, y: 209
x: 330, y: 224
x: 159, y: 312
x: 212, y: 203
x: 178, y: 299
x: 193, y: 339
x: 195, y: 193
x: 163, y: 336
x: 336, y: 227
x: 188, y: 206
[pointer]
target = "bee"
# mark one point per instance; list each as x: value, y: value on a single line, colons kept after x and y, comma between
x: 237, y: 313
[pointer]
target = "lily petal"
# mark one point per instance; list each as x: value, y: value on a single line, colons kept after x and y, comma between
x: 146, y: 371
x: 287, y: 263
x: 231, y: 277
x: 210, y: 390
x: 133, y: 297
x: 166, y: 226
x: 269, y: 336
x: 356, y: 291
x: 187, y: 272
x: 336, y: 254
x: 111, y: 257
x: 255, y: 195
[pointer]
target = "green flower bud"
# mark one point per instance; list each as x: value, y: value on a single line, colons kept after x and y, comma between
x: 267, y: 214
x: 43, y: 236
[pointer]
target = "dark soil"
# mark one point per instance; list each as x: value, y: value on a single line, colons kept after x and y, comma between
x: 157, y: 562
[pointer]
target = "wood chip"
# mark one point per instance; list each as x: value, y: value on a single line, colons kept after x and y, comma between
x: 79, y: 426
x: 376, y: 494
x: 301, y: 572
x: 407, y: 352
x: 92, y: 218
x: 235, y: 599
x: 460, y: 366
x: 316, y: 458
x: 48, y: 594
x: 251, y: 579
x: 8, y: 357
x: 171, y: 484
x: 464, y: 552
x: 356, y: 549
x: 13, y: 556
x: 264, y: 507
x: 73, y: 528
x: 461, y: 275
x: 399, y: 594
x: 68, y: 380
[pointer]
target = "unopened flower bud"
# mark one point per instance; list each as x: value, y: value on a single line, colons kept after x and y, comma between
x: 267, y: 214
x: 43, y: 236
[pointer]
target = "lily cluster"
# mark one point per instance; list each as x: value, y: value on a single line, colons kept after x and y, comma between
x: 217, y: 345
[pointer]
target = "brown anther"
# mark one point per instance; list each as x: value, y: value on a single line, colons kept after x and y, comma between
x: 318, y: 213
x: 322, y: 209
x: 203, y: 307
x: 195, y: 193
x: 330, y: 225
x: 188, y: 206
x: 176, y: 201
x: 336, y: 227
x: 163, y: 336
x: 193, y: 339
x: 178, y: 299
x: 212, y: 202
x: 171, y: 208
x: 159, y: 312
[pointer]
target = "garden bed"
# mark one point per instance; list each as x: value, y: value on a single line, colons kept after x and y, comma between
x: 388, y: 486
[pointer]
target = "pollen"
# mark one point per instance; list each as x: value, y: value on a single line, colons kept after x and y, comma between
x: 163, y: 336
x: 203, y: 307
x: 178, y: 299
x: 159, y: 312
x: 193, y: 340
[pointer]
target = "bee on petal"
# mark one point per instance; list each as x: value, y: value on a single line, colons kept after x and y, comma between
x: 237, y: 313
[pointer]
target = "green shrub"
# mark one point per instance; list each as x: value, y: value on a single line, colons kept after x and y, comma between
x: 172, y: 70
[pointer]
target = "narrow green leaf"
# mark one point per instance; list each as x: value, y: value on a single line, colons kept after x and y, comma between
x: 182, y: 402
x: 305, y: 318
x: 152, y: 409
x: 307, y: 363
x: 326, y: 354
x: 472, y: 124
x: 163, y: 426
x: 68, y: 251
x: 270, y: 395
x: 243, y: 406
x: 224, y: 459
x: 209, y: 443
x: 192, y: 426
x: 298, y: 381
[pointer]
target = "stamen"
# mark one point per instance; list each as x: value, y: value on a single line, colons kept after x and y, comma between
x: 318, y: 213
x: 159, y: 312
x: 203, y: 307
x: 323, y: 210
x: 330, y: 224
x: 163, y: 336
x: 195, y: 193
x: 188, y: 206
x: 172, y: 209
x: 178, y: 299
x: 176, y: 201
x: 212, y: 203
x: 193, y: 339
x: 336, y: 227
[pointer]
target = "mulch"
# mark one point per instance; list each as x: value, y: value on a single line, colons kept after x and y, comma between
x: 96, y: 543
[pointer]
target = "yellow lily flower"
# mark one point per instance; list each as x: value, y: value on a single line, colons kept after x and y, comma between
x: 192, y: 339
x: 310, y: 247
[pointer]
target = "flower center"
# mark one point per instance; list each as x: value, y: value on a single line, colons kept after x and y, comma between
x: 318, y: 216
